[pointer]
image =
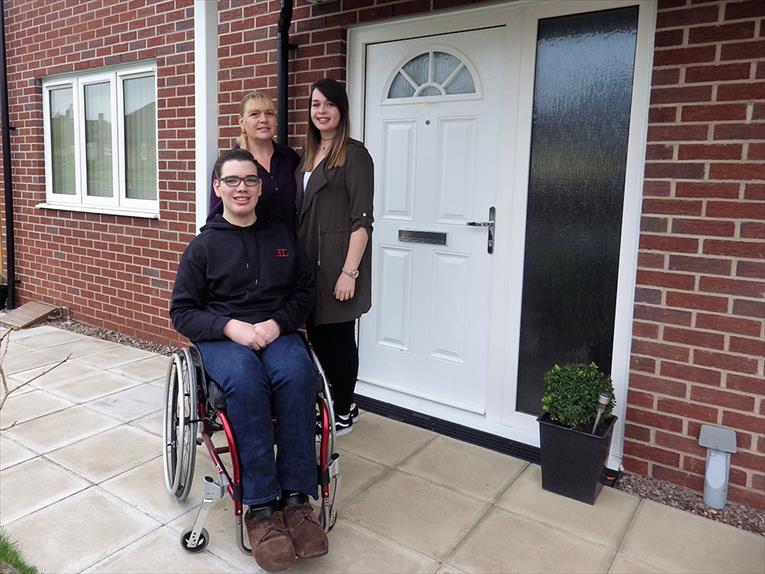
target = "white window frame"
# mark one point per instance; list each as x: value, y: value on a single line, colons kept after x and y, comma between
x: 118, y: 203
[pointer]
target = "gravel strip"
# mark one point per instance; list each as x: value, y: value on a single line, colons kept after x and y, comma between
x: 738, y: 515
x: 664, y: 492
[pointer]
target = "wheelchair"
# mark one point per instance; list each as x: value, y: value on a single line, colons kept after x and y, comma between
x: 194, y: 411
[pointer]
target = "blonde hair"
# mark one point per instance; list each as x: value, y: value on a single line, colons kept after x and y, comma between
x: 335, y: 93
x: 261, y: 102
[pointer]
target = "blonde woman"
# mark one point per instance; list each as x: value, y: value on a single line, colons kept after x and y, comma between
x: 276, y: 162
x: 335, y: 189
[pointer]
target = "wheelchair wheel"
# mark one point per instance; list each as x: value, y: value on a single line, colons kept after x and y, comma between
x: 204, y: 538
x: 179, y: 430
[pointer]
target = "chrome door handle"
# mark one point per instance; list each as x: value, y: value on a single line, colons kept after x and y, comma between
x: 490, y: 228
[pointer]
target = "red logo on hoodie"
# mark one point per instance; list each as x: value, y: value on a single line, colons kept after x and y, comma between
x: 282, y: 253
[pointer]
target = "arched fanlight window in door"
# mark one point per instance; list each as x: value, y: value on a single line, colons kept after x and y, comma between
x: 432, y: 73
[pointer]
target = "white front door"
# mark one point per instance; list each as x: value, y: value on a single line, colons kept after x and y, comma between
x: 431, y: 125
x: 445, y: 104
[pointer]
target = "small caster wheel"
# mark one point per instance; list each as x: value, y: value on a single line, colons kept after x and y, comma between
x: 204, y: 538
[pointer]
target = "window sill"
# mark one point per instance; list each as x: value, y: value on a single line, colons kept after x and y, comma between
x: 100, y: 210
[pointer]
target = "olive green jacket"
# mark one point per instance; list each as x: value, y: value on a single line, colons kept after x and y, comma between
x: 337, y: 202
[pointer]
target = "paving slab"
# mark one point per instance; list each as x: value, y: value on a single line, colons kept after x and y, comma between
x: 34, y: 484
x: 159, y: 551
x: 624, y: 565
x: 61, y: 428
x: 508, y: 543
x: 108, y: 453
x: 143, y: 487
x: 79, y: 531
x: 465, y: 467
x: 356, y: 475
x: 71, y: 369
x: 116, y: 356
x: 413, y: 512
x: 93, y: 386
x: 145, y: 370
x: 354, y: 549
x: 52, y: 338
x: 20, y: 408
x: 384, y: 440
x: 19, y: 362
x: 676, y: 541
x: 12, y: 453
x: 603, y: 522
x: 131, y: 403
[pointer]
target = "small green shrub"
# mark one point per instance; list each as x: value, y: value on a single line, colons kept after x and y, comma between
x: 571, y: 395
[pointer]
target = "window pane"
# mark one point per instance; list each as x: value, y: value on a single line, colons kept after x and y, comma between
x: 140, y: 138
x: 580, y: 126
x: 443, y: 65
x: 431, y: 91
x: 401, y: 88
x: 62, y: 140
x: 417, y: 68
x: 98, y: 139
x: 462, y: 83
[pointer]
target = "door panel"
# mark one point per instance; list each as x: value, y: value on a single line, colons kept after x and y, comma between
x: 435, y: 161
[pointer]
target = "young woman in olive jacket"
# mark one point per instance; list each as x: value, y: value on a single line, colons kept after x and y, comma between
x: 335, y: 188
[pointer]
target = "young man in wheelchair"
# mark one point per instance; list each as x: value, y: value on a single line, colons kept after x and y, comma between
x: 243, y: 288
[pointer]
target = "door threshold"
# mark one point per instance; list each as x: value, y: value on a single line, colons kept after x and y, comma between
x: 453, y: 430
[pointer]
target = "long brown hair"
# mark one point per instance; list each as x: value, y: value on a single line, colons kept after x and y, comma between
x: 262, y: 102
x: 335, y: 93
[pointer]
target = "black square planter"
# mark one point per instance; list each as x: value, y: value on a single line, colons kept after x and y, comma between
x: 573, y: 461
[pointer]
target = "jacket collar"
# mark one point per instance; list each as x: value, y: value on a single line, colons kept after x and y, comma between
x: 316, y: 183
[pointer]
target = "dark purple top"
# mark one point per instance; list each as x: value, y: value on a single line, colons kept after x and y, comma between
x: 277, y: 195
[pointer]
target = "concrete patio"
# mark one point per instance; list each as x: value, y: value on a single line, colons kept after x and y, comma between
x: 82, y: 491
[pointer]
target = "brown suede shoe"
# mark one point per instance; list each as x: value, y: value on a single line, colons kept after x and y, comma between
x: 308, y: 537
x: 270, y: 542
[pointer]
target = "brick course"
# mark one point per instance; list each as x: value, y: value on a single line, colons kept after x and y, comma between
x: 699, y: 311
x: 109, y: 271
x: 713, y: 249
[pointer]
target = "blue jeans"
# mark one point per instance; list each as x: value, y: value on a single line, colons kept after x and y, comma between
x: 282, y: 374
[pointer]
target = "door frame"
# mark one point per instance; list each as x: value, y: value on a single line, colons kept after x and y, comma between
x: 504, y: 330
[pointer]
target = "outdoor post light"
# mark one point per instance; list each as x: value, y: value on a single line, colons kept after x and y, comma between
x: 720, y: 443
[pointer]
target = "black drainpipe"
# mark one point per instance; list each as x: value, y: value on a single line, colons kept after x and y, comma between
x: 10, y: 269
x: 282, y: 50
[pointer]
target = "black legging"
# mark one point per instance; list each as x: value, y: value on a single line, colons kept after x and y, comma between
x: 335, y: 345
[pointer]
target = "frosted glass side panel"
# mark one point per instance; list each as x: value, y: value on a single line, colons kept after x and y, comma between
x: 580, y: 124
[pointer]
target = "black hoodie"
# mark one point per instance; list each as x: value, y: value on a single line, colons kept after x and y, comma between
x: 250, y: 273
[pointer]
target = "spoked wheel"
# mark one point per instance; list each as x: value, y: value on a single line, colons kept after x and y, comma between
x: 179, y: 431
x: 202, y: 541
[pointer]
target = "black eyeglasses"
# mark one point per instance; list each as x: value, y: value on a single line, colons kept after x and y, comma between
x: 235, y: 180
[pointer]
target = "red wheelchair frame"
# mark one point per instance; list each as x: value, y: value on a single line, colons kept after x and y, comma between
x: 195, y: 404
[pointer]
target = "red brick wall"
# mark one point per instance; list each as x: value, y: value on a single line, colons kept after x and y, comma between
x: 698, y: 333
x: 110, y: 271
x: 320, y: 33
x: 698, y: 349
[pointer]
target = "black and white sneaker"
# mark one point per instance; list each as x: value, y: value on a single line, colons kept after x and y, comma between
x: 343, y: 424
x: 354, y: 412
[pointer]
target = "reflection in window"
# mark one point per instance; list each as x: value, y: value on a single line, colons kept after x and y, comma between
x: 432, y: 74
x: 62, y: 141
x: 140, y: 138
x: 98, y: 139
